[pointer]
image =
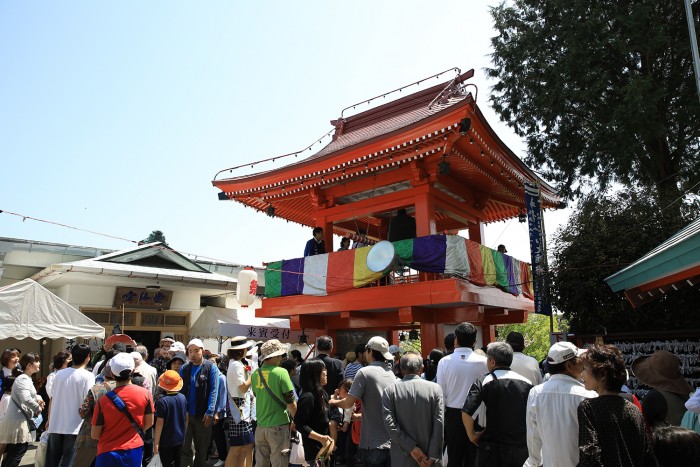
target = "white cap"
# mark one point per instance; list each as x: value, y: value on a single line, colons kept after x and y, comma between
x: 380, y: 344
x: 561, y: 352
x: 196, y: 343
x: 178, y: 347
x: 121, y: 362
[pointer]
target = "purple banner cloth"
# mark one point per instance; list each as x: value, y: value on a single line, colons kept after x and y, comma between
x: 429, y: 253
x: 512, y: 281
x: 292, y: 276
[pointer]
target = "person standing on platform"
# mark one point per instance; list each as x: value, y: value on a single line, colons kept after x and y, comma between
x: 200, y: 385
x: 368, y: 386
x: 552, y: 410
x: 315, y: 246
x: 413, y: 415
x: 402, y: 226
x: 523, y: 364
x: 344, y: 244
x: 455, y: 374
x: 324, y: 344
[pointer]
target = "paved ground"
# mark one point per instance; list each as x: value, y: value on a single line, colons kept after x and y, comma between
x: 28, y: 459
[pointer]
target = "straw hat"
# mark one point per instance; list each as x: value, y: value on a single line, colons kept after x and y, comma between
x: 661, y: 370
x: 240, y: 343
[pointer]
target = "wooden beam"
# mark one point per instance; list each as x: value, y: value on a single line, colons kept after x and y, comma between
x: 387, y: 202
x: 299, y: 322
x: 509, y: 317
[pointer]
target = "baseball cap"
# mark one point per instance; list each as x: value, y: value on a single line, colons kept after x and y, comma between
x: 170, y: 381
x: 561, y: 352
x: 196, y: 343
x: 380, y: 344
x: 120, y: 363
x: 394, y: 349
x: 177, y: 347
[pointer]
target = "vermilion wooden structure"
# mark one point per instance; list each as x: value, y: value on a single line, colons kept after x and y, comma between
x: 431, y: 152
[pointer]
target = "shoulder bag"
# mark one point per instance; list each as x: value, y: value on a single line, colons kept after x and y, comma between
x: 272, y: 394
x: 30, y: 421
x: 119, y: 404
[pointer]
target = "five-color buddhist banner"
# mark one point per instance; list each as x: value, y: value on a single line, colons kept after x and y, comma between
x: 444, y: 254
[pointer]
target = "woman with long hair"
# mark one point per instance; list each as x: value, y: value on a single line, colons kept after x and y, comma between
x: 312, y: 418
x: 14, y: 430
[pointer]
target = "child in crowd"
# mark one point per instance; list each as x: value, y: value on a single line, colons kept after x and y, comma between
x: 340, y: 422
x: 171, y: 420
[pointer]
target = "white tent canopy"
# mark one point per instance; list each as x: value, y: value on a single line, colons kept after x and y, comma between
x: 29, y: 310
x: 209, y: 322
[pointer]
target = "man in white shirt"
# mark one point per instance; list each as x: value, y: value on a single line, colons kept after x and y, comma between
x: 552, y: 417
x: 522, y: 364
x: 455, y: 374
x: 70, y: 386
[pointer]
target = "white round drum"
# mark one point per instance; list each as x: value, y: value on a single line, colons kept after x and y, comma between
x: 381, y: 256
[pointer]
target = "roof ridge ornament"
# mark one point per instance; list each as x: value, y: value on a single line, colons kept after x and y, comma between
x: 457, y: 71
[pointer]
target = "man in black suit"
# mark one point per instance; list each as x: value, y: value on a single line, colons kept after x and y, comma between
x: 324, y: 345
x: 402, y: 227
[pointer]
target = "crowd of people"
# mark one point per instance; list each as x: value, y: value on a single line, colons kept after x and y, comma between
x: 261, y: 405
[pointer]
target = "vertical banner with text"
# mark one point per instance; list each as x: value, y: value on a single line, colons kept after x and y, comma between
x: 540, y: 278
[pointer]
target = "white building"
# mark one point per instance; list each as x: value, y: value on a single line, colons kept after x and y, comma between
x: 162, y: 291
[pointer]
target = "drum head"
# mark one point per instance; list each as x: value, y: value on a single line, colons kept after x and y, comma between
x: 381, y: 257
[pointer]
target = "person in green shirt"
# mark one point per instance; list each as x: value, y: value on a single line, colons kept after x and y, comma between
x: 275, y: 406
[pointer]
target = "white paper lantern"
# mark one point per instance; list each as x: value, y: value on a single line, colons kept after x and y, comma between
x: 247, y: 286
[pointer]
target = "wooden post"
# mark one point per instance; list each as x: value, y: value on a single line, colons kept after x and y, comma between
x: 425, y: 215
x: 476, y: 232
x: 428, y: 337
x: 488, y: 334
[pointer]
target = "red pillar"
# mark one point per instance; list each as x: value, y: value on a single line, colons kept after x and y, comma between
x: 425, y: 215
x: 394, y: 337
x: 488, y: 334
x: 428, y: 337
x: 476, y: 232
x: 327, y: 232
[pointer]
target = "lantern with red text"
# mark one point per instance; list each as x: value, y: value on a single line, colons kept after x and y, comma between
x: 247, y: 286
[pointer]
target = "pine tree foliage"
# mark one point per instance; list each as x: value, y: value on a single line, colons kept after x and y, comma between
x: 602, y: 91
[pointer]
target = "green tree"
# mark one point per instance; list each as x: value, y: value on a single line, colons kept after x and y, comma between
x: 536, y: 333
x: 155, y: 236
x: 605, y: 234
x: 601, y: 91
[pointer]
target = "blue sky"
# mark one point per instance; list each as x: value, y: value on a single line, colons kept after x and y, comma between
x: 114, y: 117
